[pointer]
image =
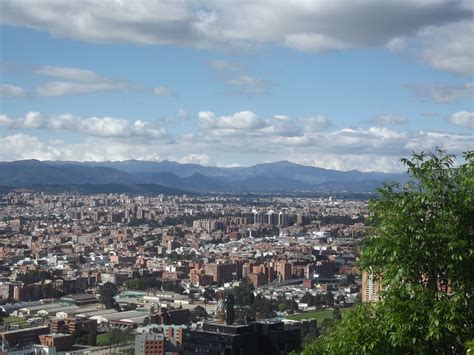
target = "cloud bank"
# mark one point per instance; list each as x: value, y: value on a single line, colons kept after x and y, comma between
x: 241, y: 138
x: 441, y: 31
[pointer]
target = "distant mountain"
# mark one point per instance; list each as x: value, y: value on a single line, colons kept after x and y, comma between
x: 92, y: 189
x: 280, y: 176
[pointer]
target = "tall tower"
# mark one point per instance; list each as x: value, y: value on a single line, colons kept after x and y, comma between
x: 229, y: 310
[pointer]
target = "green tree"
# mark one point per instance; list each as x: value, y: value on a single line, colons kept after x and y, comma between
x: 198, y: 313
x: 329, y: 298
x: 107, y: 293
x: 308, y: 298
x: 143, y: 284
x: 421, y: 249
x: 209, y: 294
x: 92, y: 337
x: 243, y: 294
x: 172, y: 286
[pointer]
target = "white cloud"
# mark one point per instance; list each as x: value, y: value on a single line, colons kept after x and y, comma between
x: 93, y: 126
x: 223, y: 65
x: 177, y: 119
x: 241, y: 138
x: 449, y: 47
x: 12, y: 91
x: 247, y: 85
x: 234, y: 76
x: 315, y: 123
x: 366, y: 162
x: 201, y: 159
x: 32, y: 120
x: 69, y: 73
x: 384, y: 120
x: 443, y: 29
x: 397, y: 44
x: 183, y: 115
x: 163, y: 91
x: 80, y: 81
x: 244, y: 121
x: 61, y: 88
x: 314, y: 42
x: 365, y: 149
x: 443, y: 93
x: 116, y: 127
x: 244, y: 80
x: 22, y: 146
x: 463, y: 119
x: 5, y: 121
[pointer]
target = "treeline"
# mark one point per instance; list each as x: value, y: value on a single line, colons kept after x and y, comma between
x: 249, y: 306
x: 143, y: 284
x: 147, y: 283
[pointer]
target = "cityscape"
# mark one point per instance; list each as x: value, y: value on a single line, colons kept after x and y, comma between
x: 283, y: 177
x: 168, y: 259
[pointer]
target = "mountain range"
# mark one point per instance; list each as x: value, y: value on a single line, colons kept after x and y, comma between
x: 172, y: 178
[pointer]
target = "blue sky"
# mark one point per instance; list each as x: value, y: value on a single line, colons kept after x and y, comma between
x: 346, y: 85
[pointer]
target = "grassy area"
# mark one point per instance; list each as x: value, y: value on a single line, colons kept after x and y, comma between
x: 21, y: 322
x: 13, y: 320
x: 318, y: 315
x: 103, y: 339
x: 114, y: 337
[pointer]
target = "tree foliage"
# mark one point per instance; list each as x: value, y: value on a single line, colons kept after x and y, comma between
x: 209, y: 294
x: 172, y: 286
x: 107, y: 293
x: 421, y: 249
x: 198, y: 314
x: 143, y: 284
x: 243, y: 294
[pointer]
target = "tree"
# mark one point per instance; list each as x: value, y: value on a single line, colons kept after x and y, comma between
x: 243, y: 294
x: 107, y: 293
x: 92, y: 337
x: 308, y: 298
x: 198, y: 313
x: 329, y: 298
x: 421, y: 249
x: 143, y: 284
x: 172, y: 286
x: 209, y: 294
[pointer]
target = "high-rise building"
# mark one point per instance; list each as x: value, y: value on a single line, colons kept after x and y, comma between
x: 258, y: 217
x: 257, y: 279
x: 222, y: 273
x: 302, y: 220
x: 282, y: 219
x: 263, y: 338
x: 284, y: 270
x: 272, y: 218
x: 371, y: 287
x: 150, y: 344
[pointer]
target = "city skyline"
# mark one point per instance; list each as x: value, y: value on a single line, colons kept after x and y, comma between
x: 341, y: 86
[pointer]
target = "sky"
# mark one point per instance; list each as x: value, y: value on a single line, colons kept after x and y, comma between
x: 342, y: 84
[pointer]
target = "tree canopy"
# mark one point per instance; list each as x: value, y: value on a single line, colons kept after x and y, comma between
x: 421, y: 250
x: 107, y: 292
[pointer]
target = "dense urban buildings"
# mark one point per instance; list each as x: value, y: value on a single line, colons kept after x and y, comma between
x: 153, y: 274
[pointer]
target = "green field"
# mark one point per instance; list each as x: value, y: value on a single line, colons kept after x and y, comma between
x: 21, y: 322
x: 318, y: 315
x: 114, y: 337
